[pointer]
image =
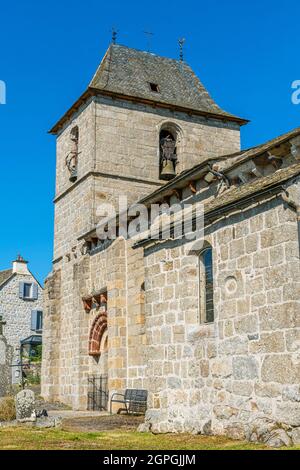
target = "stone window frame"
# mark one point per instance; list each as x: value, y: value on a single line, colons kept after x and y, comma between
x: 33, y: 291
x: 28, y: 290
x: 72, y: 156
x: 203, y: 291
x: 37, y: 321
x: 198, y: 251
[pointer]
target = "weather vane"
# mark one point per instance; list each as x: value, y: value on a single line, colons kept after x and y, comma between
x: 181, y: 43
x: 114, y: 32
x: 150, y: 36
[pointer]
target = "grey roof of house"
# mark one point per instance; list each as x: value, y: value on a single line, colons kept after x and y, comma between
x: 129, y: 72
x: 5, y: 276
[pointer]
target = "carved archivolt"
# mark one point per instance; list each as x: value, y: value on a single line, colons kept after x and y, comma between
x: 98, y: 335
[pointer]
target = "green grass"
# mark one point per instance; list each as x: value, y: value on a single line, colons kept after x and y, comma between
x: 37, y: 439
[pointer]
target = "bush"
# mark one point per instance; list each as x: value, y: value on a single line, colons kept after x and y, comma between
x: 7, y: 409
x: 33, y: 378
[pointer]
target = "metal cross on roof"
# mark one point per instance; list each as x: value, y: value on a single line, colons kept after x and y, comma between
x: 2, y: 323
x: 181, y: 43
x: 149, y: 40
x: 114, y: 32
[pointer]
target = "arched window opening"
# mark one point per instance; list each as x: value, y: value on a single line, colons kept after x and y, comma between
x: 72, y: 157
x: 168, y: 155
x: 207, y: 314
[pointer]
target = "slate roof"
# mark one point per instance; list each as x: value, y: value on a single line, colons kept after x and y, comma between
x: 128, y: 72
x: 234, y: 160
x: 5, y: 276
x: 252, y: 188
x: 260, y: 149
x: 236, y: 196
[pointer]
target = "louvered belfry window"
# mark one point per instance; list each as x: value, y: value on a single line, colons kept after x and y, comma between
x: 207, y: 314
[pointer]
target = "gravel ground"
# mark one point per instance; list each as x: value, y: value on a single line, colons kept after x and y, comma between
x: 42, y: 405
x: 103, y: 423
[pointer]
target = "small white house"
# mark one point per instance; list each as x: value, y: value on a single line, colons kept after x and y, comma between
x: 21, y: 309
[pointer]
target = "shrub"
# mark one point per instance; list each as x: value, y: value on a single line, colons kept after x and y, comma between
x: 7, y: 409
x: 33, y: 378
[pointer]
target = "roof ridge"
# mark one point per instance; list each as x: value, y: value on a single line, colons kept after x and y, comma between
x: 149, y: 53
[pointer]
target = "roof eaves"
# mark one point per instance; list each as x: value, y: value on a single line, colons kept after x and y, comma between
x: 255, y: 192
x: 96, y: 91
x: 71, y: 111
x: 5, y: 278
x: 261, y: 149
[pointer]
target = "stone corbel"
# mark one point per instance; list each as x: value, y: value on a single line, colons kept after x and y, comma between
x: 96, y: 300
x: 192, y: 187
x: 295, y: 147
x: 100, y: 300
x: 87, y: 304
x: 176, y: 193
x: 209, y: 178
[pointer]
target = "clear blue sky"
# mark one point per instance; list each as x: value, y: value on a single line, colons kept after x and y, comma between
x: 245, y: 52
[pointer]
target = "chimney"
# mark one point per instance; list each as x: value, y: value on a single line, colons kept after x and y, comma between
x: 20, y: 266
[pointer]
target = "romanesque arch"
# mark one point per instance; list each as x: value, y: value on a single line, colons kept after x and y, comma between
x: 98, y: 335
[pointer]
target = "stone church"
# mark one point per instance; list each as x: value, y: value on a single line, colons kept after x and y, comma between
x: 210, y: 330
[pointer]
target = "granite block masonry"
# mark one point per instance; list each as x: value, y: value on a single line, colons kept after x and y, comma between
x: 210, y: 331
x: 5, y: 369
x: 25, y: 406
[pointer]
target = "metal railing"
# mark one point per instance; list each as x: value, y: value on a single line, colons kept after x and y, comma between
x: 98, y: 393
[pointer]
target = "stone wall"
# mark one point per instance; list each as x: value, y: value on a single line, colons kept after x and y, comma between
x: 16, y: 313
x: 237, y: 376
x: 128, y: 138
x: 51, y: 338
x: 5, y: 369
x: 66, y: 361
x: 119, y: 155
x: 241, y: 374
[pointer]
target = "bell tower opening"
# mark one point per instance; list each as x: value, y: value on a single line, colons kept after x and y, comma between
x: 168, y: 155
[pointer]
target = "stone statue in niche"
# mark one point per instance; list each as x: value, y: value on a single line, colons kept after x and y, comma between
x: 168, y: 156
x: 72, y: 157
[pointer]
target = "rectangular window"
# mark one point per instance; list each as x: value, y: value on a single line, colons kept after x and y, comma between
x: 154, y: 87
x: 39, y: 325
x: 37, y: 321
x: 207, y: 314
x: 28, y: 291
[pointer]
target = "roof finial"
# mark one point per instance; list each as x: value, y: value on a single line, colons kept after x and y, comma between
x: 150, y: 36
x: 114, y: 32
x: 181, y: 43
